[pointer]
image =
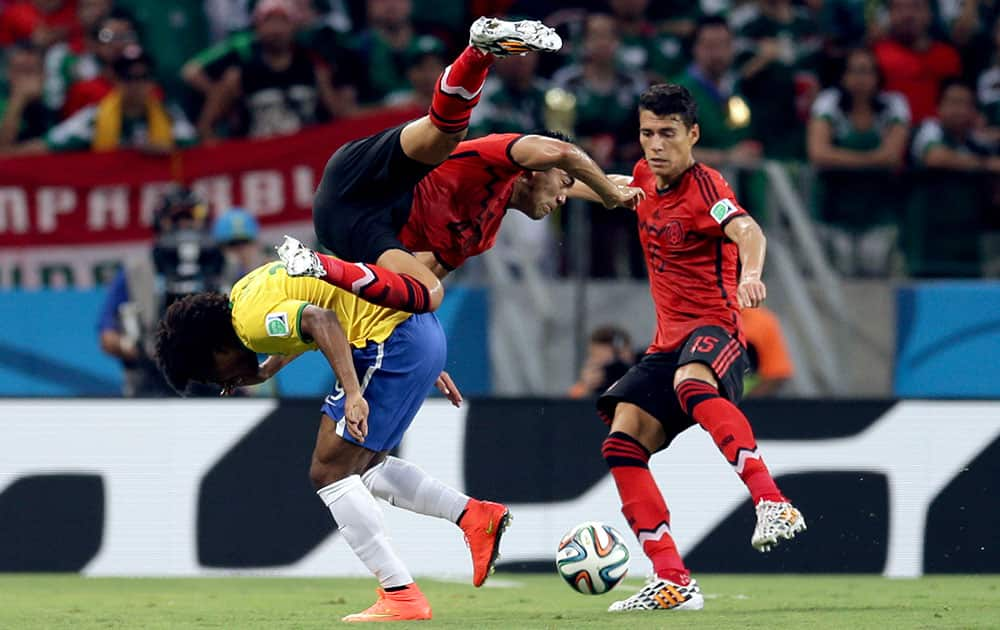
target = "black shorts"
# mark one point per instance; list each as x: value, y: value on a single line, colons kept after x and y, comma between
x: 649, y: 384
x: 365, y: 195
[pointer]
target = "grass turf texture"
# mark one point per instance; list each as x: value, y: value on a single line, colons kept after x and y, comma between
x: 518, y: 601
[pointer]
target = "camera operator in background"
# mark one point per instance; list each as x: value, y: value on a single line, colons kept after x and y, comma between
x: 236, y: 233
x: 609, y: 356
x: 184, y: 259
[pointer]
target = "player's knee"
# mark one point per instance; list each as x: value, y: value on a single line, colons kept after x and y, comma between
x: 623, y: 449
x: 323, y: 473
x: 696, y: 371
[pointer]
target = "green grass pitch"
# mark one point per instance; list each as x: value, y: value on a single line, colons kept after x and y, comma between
x: 513, y: 601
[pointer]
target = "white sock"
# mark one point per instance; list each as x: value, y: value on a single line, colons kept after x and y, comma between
x: 407, y: 486
x: 360, y: 521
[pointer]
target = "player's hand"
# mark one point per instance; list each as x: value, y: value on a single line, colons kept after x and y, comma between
x: 447, y: 387
x: 625, y: 197
x: 356, y: 414
x: 751, y: 293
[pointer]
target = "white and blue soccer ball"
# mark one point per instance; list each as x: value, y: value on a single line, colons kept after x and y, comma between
x: 592, y: 558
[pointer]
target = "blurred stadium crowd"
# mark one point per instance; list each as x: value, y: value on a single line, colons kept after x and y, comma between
x: 895, y: 104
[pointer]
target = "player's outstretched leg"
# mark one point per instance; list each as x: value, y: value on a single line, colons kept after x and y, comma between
x: 671, y: 587
x: 431, y: 139
x: 375, y: 284
x: 777, y: 519
x: 407, y: 486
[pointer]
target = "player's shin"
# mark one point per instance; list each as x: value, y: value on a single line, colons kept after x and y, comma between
x: 643, y: 505
x: 407, y: 486
x: 458, y: 90
x: 360, y: 522
x: 731, y: 432
x: 377, y: 285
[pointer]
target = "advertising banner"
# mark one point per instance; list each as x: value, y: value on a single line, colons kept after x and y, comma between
x: 221, y: 487
x: 68, y: 219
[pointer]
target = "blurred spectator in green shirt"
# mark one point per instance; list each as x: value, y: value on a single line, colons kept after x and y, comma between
x: 172, y: 31
x: 513, y: 99
x: 607, y: 99
x: 857, y: 140
x: 647, y: 48
x: 23, y: 112
x: 778, y: 52
x: 424, y: 66
x: 383, y: 48
x: 954, y: 192
x: 282, y: 86
x: 723, y: 115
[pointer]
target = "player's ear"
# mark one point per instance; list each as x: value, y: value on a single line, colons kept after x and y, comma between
x: 694, y: 133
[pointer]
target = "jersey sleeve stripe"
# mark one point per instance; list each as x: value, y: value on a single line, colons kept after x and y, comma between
x: 510, y: 156
x: 710, y: 183
x: 442, y: 262
x: 735, y: 215
x: 463, y: 154
x: 704, y: 192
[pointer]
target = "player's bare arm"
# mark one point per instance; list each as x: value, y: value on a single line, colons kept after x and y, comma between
x: 579, y: 190
x: 429, y: 260
x: 750, y: 240
x: 540, y: 153
x: 325, y: 329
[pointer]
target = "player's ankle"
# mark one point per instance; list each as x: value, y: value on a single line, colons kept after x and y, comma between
x: 401, y: 588
x: 681, y: 577
x: 461, y: 517
x: 774, y: 497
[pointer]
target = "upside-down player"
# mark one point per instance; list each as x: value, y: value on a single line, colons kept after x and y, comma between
x: 418, y: 188
x: 695, y: 237
x: 209, y: 338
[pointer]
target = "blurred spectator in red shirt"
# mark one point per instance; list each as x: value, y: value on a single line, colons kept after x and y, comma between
x: 912, y: 62
x: 44, y: 22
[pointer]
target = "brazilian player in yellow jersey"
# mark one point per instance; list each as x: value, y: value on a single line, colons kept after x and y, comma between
x: 212, y: 338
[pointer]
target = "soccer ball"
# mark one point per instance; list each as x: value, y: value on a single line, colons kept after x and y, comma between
x: 592, y: 558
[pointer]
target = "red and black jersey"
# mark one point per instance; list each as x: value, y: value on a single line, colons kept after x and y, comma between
x: 692, y: 265
x: 457, y: 208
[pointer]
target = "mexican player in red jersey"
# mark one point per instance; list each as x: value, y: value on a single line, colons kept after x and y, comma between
x: 417, y: 188
x: 705, y: 255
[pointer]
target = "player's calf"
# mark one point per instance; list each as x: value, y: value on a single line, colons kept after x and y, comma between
x: 373, y: 283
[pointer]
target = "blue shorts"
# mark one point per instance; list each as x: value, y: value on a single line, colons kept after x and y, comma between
x: 396, y: 376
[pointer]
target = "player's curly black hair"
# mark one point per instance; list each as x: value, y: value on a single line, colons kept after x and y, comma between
x: 666, y: 99
x: 192, y: 328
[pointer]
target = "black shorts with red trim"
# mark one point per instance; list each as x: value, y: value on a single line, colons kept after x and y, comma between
x: 649, y: 384
x: 365, y: 195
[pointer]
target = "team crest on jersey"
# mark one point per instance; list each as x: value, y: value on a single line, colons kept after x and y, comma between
x: 722, y: 209
x: 277, y: 325
x: 675, y: 233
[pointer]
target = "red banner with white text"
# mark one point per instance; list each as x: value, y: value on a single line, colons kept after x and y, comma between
x: 65, y: 217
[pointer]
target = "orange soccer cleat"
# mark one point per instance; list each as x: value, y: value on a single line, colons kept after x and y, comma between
x: 484, y: 523
x: 408, y: 604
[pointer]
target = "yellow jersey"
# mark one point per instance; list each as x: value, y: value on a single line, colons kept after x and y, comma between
x: 267, y: 307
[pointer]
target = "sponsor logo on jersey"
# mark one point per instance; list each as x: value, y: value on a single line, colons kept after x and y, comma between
x: 277, y: 325
x: 723, y: 209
